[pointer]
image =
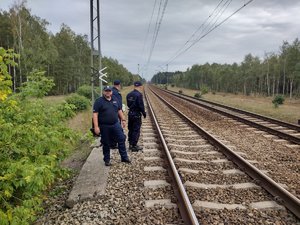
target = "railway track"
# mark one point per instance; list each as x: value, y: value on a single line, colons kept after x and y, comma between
x: 284, y: 130
x: 218, y: 190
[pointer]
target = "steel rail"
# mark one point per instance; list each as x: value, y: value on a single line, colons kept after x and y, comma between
x: 186, y: 210
x: 258, y: 116
x: 288, y: 200
x: 286, y: 136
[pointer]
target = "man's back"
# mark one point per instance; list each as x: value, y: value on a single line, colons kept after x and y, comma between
x: 135, y: 102
x: 118, y: 95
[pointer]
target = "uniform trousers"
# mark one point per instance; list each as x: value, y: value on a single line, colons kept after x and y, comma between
x: 134, y: 129
x: 109, y: 133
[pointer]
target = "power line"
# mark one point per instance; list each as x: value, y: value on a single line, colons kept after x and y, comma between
x: 197, y: 30
x: 213, y: 27
x: 148, y: 30
x: 156, y: 29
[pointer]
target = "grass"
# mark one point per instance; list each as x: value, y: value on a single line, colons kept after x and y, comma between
x: 82, y: 122
x: 289, y: 111
x: 52, y: 100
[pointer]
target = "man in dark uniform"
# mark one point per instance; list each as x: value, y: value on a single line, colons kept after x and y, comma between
x: 116, y: 93
x: 106, y: 114
x: 136, y: 109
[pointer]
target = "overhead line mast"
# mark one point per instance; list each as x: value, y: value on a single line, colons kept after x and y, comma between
x: 95, y: 41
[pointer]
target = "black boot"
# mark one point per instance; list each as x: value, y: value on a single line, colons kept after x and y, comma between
x: 126, y: 161
x: 136, y: 148
x: 108, y: 163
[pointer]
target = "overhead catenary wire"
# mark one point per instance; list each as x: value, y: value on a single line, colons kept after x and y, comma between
x: 159, y: 18
x: 206, y: 33
x: 197, y: 30
x: 148, y: 30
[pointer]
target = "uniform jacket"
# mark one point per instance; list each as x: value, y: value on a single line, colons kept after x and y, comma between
x: 135, y: 103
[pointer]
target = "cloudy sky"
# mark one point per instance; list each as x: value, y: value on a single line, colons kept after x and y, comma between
x: 259, y: 27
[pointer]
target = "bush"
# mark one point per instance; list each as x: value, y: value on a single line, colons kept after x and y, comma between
x: 204, y: 90
x: 213, y: 92
x: 80, y: 102
x: 172, y: 85
x: 85, y: 91
x: 66, y: 110
x: 37, y: 85
x: 180, y: 92
x: 166, y: 87
x: 33, y: 140
x: 197, y: 95
x: 278, y: 100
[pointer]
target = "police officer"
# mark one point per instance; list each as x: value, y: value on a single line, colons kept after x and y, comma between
x: 136, y: 109
x: 116, y: 92
x: 106, y: 112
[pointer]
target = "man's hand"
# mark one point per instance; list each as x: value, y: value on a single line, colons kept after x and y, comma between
x: 123, y: 123
x: 97, y: 130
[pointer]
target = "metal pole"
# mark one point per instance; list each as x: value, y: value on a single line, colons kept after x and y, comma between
x: 92, y: 48
x: 167, y: 73
x: 99, y: 42
x: 95, y: 53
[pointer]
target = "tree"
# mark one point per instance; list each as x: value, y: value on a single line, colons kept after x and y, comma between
x: 6, y: 59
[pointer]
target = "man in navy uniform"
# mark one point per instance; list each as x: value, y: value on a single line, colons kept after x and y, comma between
x: 136, y: 110
x: 116, y: 92
x: 106, y: 114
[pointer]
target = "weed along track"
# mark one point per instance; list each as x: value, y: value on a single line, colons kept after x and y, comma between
x: 196, y: 167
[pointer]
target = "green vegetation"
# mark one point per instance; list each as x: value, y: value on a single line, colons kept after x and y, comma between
x: 180, y: 92
x: 65, y: 56
x: 6, y: 59
x: 197, y: 95
x: 85, y: 91
x: 80, y: 102
x: 278, y: 100
x: 34, y: 140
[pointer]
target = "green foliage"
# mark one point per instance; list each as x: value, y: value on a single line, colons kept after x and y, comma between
x: 180, y: 92
x: 204, y: 90
x: 66, y: 110
x: 6, y: 59
x: 197, y: 95
x: 278, y: 100
x: 85, y: 91
x: 80, y: 102
x: 33, y: 141
x: 65, y: 56
x: 37, y: 85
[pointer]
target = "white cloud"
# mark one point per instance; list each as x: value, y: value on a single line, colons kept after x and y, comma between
x: 259, y: 27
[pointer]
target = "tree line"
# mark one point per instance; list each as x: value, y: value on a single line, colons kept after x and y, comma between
x: 64, y: 56
x: 276, y: 73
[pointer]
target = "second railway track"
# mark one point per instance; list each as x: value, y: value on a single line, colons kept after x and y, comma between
x: 284, y: 130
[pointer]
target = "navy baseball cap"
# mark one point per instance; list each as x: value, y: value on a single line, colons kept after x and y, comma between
x: 137, y: 83
x: 117, y: 82
x: 107, y: 88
